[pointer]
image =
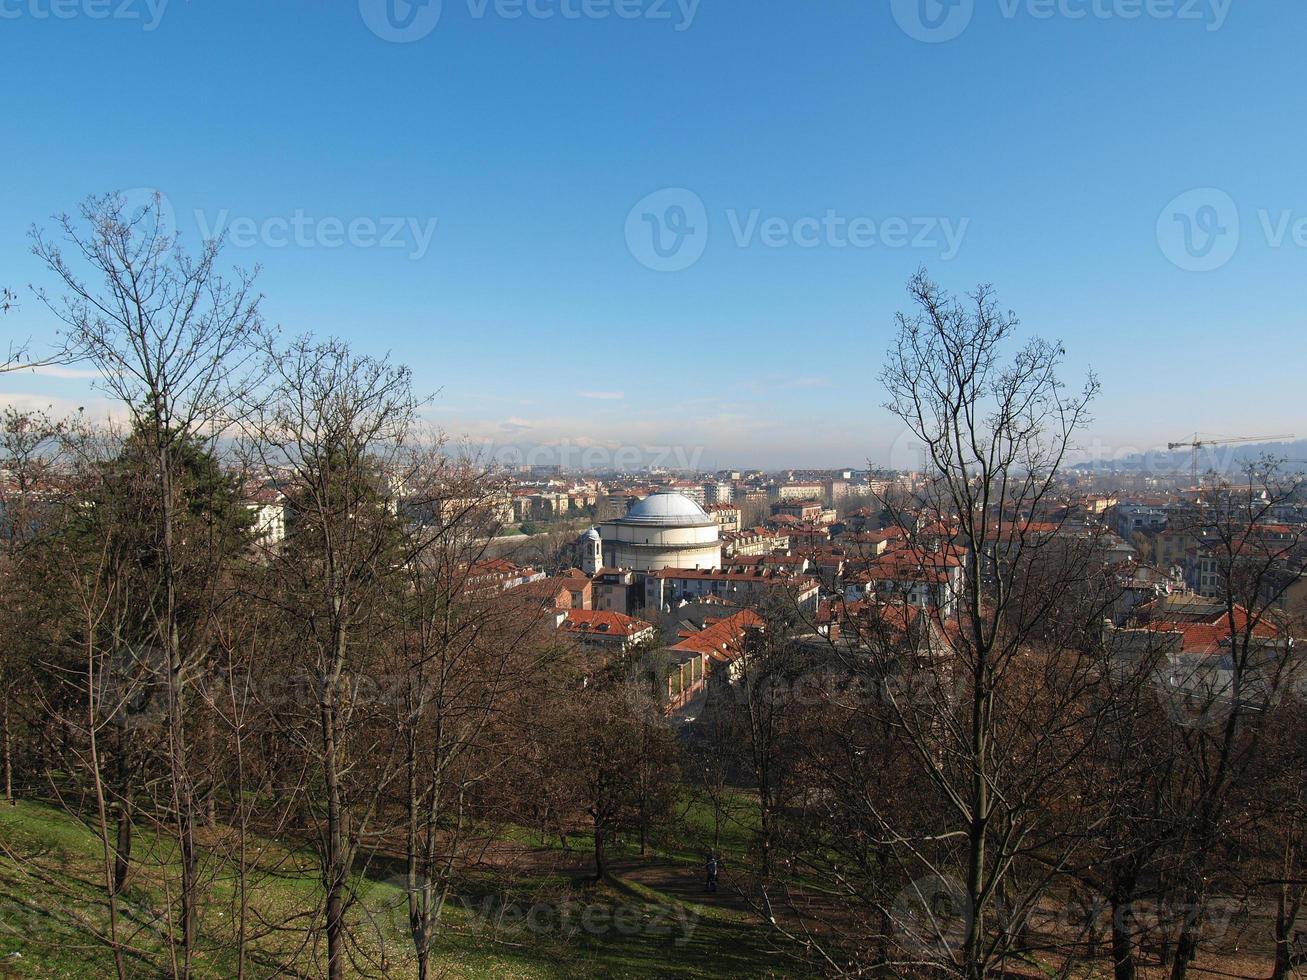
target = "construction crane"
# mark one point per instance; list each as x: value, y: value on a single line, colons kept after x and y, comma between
x: 1196, y: 444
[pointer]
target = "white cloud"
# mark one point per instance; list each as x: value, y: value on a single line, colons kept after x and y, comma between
x: 59, y: 371
x: 96, y: 409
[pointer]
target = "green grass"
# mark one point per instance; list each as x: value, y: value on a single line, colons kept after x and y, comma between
x: 740, y: 824
x: 52, y: 906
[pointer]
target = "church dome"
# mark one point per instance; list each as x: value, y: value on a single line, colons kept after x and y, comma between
x: 667, y: 508
x: 664, y: 530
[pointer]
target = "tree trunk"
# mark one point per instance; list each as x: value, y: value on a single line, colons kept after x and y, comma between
x: 1186, y: 948
x: 1286, y: 913
x: 121, y: 792
x: 764, y: 858
x: 972, y: 953
x: 886, y: 927
x: 419, y: 909
x: 1186, y: 943
x: 122, y: 856
x: 185, y: 807
x: 178, y: 754
x: 335, y: 856
x: 601, y: 860
x: 8, y: 752
x: 120, y: 966
x: 1123, y: 953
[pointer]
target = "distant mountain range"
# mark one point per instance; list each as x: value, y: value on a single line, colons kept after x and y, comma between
x: 1222, y: 459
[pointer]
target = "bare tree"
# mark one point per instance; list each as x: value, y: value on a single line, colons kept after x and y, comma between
x: 610, y: 734
x: 996, y: 429
x: 171, y: 338
x: 1250, y: 562
x: 87, y: 682
x: 1283, y: 790
x: 1125, y: 783
x: 460, y: 653
x: 29, y: 442
x: 18, y: 355
x: 332, y: 429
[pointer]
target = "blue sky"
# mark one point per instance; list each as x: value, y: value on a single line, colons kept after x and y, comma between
x: 498, y: 181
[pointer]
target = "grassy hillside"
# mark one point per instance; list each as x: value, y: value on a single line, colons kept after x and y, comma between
x: 651, y: 921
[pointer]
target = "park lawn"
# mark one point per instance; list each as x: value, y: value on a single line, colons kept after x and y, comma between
x: 51, y: 904
x: 739, y: 827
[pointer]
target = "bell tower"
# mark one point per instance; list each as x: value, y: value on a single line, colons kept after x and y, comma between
x: 592, y: 558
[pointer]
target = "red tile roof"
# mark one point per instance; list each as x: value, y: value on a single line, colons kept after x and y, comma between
x: 600, y: 622
x: 723, y: 639
x: 1210, y: 634
x: 915, y: 564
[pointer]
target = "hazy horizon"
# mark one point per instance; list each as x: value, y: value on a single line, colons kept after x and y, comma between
x: 479, y: 197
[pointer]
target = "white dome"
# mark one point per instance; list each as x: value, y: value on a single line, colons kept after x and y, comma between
x: 667, y: 509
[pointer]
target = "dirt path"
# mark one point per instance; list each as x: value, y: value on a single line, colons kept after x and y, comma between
x: 684, y: 883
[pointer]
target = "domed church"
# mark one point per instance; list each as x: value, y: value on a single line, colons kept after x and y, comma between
x: 664, y: 530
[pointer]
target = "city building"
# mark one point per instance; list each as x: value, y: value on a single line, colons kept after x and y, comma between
x: 719, y: 645
x: 926, y: 579
x: 1129, y: 518
x: 615, y: 590
x: 670, y: 585
x: 801, y: 491
x: 718, y: 492
x: 268, y: 509
x: 802, y: 510
x: 664, y: 530
x: 609, y: 630
x: 752, y: 541
x: 726, y: 515
x: 559, y: 592
x: 498, y: 575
